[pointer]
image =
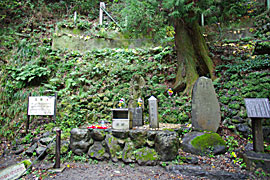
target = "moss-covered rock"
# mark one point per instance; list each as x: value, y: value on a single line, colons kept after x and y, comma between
x: 78, y: 134
x: 98, y: 134
x: 80, y: 147
x: 151, y: 135
x: 203, y: 143
x: 207, y: 140
x: 167, y: 145
x: 113, y: 147
x: 122, y: 134
x: 80, y: 141
x: 146, y: 156
x: 138, y: 137
x: 98, y: 151
x: 128, y: 155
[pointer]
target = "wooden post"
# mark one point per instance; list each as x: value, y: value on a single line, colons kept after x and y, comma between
x: 202, y: 20
x: 75, y: 17
x: 55, y: 105
x: 28, y: 117
x: 102, y: 5
x: 257, y: 134
x: 57, y: 149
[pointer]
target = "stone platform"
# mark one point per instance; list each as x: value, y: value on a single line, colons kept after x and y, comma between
x: 145, y: 147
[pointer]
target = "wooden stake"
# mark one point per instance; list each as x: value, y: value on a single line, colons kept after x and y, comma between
x: 257, y: 135
x: 57, y: 149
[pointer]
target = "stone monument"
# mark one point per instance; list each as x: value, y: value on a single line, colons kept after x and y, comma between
x: 205, y: 106
x: 153, y: 112
x: 136, y: 85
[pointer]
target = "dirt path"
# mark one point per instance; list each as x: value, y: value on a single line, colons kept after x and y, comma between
x: 109, y: 171
x: 218, y: 167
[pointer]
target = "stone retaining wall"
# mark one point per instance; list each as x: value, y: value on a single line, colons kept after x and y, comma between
x: 130, y: 146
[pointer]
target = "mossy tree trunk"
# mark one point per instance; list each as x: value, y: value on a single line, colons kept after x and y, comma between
x: 192, y: 56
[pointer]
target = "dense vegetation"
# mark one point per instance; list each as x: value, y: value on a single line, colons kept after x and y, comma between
x: 90, y: 84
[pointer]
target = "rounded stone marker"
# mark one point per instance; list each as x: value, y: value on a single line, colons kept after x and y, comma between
x: 205, y: 107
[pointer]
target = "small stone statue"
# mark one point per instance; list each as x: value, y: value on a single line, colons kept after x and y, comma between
x: 136, y: 85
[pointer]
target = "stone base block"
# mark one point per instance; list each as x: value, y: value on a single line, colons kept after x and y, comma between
x: 256, y: 160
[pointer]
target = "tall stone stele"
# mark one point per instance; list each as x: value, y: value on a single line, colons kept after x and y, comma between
x: 153, y: 112
x: 205, y: 107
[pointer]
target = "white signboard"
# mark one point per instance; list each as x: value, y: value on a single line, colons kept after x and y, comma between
x: 12, y: 172
x: 41, y: 105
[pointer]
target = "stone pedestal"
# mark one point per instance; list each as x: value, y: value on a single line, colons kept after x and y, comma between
x: 255, y: 160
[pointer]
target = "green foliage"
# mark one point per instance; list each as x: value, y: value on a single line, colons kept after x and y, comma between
x: 27, y: 74
x: 28, y: 138
x: 80, y: 158
x: 244, y: 78
x: 231, y: 143
x: 90, y: 84
x: 143, y: 18
x: 187, y: 10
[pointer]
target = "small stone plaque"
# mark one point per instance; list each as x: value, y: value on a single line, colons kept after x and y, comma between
x: 12, y: 172
x: 41, y: 105
x: 137, y: 117
x: 257, y: 107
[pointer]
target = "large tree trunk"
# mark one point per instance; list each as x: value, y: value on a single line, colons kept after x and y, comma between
x: 192, y: 56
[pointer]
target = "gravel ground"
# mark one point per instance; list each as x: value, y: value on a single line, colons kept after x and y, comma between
x: 107, y: 170
x: 110, y: 171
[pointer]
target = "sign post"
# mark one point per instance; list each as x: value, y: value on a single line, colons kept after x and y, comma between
x: 257, y: 108
x: 41, y: 106
x: 102, y: 5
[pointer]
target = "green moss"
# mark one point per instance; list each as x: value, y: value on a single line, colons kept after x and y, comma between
x: 27, y: 162
x: 92, y: 154
x: 101, y: 152
x: 183, y: 158
x: 114, y: 148
x: 76, y: 31
x: 146, y: 154
x: 207, y: 140
x: 166, y: 129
